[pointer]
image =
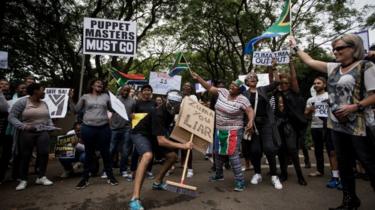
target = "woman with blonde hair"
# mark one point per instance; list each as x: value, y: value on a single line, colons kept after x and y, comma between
x: 350, y: 88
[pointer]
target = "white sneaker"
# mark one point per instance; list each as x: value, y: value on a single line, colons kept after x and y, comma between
x: 104, y: 175
x: 257, y: 178
x: 22, y: 185
x: 190, y: 173
x: 125, y: 174
x: 43, y: 181
x: 276, y: 182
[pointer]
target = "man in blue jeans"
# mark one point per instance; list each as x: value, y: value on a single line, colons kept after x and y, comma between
x: 121, y: 130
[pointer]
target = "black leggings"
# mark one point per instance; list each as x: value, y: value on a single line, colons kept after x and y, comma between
x: 289, y: 148
x: 348, y: 147
x: 27, y: 141
x: 263, y: 143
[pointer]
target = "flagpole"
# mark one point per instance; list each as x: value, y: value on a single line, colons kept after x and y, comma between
x: 290, y: 17
x: 82, y: 73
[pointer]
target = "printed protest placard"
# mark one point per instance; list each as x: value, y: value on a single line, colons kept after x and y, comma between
x: 65, y: 146
x: 3, y: 60
x: 118, y: 106
x: 57, y: 101
x: 321, y: 109
x: 197, y: 119
x: 265, y: 58
x: 199, y: 88
x: 109, y: 37
x: 365, y: 39
x: 161, y: 82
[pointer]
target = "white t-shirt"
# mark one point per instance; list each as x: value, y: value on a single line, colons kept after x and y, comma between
x: 320, y: 103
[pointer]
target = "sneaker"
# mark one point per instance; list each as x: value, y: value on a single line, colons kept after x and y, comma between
x: 190, y: 173
x: 150, y: 175
x: 216, y: 177
x: 125, y: 174
x: 339, y: 186
x: 22, y: 185
x: 243, y: 169
x: 239, y: 186
x: 43, y: 181
x: 135, y: 204
x: 130, y: 177
x: 257, y: 178
x: 159, y: 186
x: 276, y: 182
x: 82, y: 184
x: 315, y: 174
x: 112, y: 181
x: 77, y: 166
x: 333, y: 183
x: 104, y: 175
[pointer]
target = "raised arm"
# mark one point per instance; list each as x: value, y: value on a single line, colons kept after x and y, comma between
x: 4, y: 106
x: 293, y: 77
x: 306, y: 58
x: 211, y: 89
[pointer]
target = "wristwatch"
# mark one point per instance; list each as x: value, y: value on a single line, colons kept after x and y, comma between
x: 360, y: 107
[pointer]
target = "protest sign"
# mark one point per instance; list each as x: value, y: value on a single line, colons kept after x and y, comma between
x: 65, y: 146
x: 197, y: 119
x: 118, y: 106
x: 57, y: 101
x: 183, y: 136
x: 161, y: 82
x: 263, y: 79
x: 265, y: 58
x: 321, y: 109
x: 199, y: 88
x: 3, y: 60
x: 109, y: 37
x: 365, y: 39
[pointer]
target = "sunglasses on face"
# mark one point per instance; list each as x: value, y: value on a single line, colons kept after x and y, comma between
x: 339, y: 48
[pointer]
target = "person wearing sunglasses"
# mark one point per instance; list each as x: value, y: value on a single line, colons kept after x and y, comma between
x: 350, y: 88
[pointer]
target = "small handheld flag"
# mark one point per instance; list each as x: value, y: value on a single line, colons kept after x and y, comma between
x: 179, y: 65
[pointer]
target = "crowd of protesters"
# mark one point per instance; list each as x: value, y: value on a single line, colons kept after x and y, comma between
x: 250, y: 122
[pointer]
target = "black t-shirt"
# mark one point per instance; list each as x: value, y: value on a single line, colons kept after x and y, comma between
x: 144, y: 126
x: 155, y: 123
x: 262, y: 105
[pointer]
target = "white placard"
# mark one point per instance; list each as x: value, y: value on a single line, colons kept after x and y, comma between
x: 3, y: 60
x: 118, y: 106
x: 161, y: 82
x: 265, y: 58
x: 109, y: 37
x: 263, y: 79
x: 321, y: 109
x: 365, y: 38
x: 57, y: 101
x: 199, y: 88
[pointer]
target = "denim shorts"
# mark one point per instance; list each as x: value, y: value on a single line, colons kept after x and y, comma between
x: 142, y: 143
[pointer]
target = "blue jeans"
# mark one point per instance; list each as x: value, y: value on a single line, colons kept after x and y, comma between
x: 121, y: 137
x: 67, y: 163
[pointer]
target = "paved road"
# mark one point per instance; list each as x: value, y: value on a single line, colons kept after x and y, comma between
x: 212, y: 196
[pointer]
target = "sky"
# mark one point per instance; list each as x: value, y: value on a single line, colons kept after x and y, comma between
x: 359, y: 4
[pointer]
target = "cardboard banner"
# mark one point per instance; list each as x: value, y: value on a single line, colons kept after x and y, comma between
x: 161, y: 82
x: 109, y: 37
x: 197, y: 119
x: 365, y: 39
x: 265, y: 58
x: 263, y: 79
x: 57, y: 101
x: 3, y: 60
x: 118, y: 106
x: 64, y: 147
x: 181, y: 135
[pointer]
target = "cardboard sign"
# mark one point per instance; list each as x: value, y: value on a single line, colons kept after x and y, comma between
x: 64, y: 147
x: 183, y: 136
x: 118, y: 106
x: 57, y: 101
x: 3, y: 60
x: 365, y: 39
x: 265, y: 58
x: 109, y: 37
x: 161, y: 82
x: 197, y: 119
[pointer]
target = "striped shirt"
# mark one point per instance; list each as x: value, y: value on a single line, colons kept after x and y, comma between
x: 230, y: 113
